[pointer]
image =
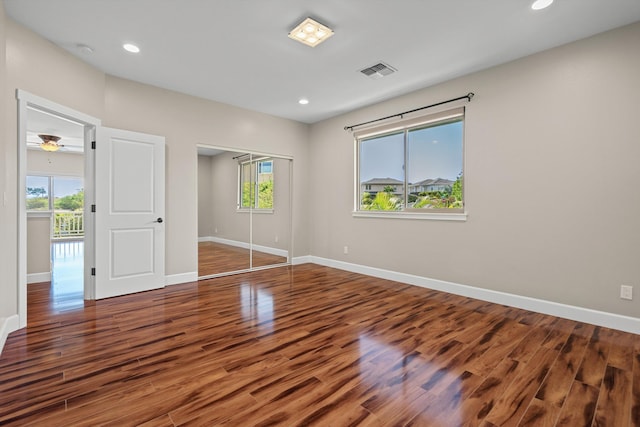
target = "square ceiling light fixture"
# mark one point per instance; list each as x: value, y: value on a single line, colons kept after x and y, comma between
x: 311, y: 32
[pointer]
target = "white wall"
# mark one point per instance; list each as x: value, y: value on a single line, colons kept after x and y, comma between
x: 205, y: 197
x: 8, y: 279
x: 551, y: 166
x: 186, y: 121
x: 58, y: 163
x: 39, y: 246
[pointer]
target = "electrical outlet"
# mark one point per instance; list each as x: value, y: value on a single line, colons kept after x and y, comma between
x: 216, y: 230
x: 276, y: 238
x: 346, y: 250
x: 626, y: 292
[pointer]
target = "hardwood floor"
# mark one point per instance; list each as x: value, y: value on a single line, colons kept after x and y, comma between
x: 310, y: 345
x: 215, y: 258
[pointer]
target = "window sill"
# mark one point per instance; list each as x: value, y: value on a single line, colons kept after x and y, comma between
x: 255, y: 211
x: 440, y: 216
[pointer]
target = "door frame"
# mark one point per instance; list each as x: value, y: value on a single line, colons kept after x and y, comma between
x: 25, y: 100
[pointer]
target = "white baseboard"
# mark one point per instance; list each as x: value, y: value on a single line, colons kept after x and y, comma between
x: 237, y: 244
x: 176, y: 279
x: 580, y: 314
x: 7, y: 325
x: 39, y: 277
x: 305, y: 259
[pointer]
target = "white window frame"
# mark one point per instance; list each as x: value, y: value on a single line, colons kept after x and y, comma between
x: 405, y: 126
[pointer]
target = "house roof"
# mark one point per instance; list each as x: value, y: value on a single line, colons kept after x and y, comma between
x: 383, y: 181
x: 437, y: 181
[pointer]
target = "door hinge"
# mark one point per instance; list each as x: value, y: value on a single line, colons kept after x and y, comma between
x: 93, y: 145
x: 93, y: 271
x: 93, y: 208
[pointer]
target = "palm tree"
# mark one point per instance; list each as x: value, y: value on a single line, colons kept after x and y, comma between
x: 384, y: 201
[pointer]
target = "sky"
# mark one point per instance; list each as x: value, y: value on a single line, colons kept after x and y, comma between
x: 434, y: 152
x: 63, y: 186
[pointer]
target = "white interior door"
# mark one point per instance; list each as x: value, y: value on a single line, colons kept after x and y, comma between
x: 129, y: 212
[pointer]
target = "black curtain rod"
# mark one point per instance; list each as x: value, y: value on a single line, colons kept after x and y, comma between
x: 467, y: 96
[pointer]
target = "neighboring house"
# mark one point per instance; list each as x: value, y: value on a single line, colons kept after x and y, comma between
x: 430, y: 185
x: 375, y: 185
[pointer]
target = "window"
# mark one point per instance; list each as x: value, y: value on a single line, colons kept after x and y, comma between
x: 412, y: 166
x: 60, y: 193
x: 62, y: 196
x: 256, y: 177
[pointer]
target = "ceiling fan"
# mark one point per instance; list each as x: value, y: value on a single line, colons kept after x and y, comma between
x: 49, y: 143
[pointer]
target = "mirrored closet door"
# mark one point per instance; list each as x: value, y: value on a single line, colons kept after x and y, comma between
x: 244, y: 211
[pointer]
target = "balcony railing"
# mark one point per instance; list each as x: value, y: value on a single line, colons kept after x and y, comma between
x: 68, y: 224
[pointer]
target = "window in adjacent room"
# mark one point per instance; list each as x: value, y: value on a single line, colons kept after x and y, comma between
x: 59, y: 193
x: 38, y: 191
x: 256, y: 184
x: 414, y: 166
x: 59, y: 196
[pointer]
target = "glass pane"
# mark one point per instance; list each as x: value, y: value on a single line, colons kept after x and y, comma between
x: 68, y: 204
x: 223, y: 229
x: 434, y: 170
x: 382, y: 173
x: 271, y: 231
x: 68, y: 193
x: 246, y: 186
x: 265, y: 184
x: 38, y: 193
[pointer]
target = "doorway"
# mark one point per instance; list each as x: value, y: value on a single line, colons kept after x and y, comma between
x: 55, y: 219
x: 38, y: 116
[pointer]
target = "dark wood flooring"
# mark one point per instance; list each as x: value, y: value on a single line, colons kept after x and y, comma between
x: 216, y: 258
x: 310, y: 345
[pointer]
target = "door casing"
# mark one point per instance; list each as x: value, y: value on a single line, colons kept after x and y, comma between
x: 25, y: 100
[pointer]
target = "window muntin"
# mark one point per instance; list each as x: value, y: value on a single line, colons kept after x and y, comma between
x: 256, y: 178
x: 417, y: 167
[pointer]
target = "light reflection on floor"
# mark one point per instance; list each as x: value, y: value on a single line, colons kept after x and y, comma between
x: 257, y: 306
x: 67, y: 290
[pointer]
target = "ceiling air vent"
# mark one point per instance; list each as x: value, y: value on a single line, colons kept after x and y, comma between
x: 379, y: 70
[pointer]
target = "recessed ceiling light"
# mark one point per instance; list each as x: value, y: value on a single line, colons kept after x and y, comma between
x: 303, y: 101
x: 310, y: 32
x: 131, y: 48
x: 541, y: 4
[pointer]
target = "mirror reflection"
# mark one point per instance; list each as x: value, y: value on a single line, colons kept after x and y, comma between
x: 244, y: 211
